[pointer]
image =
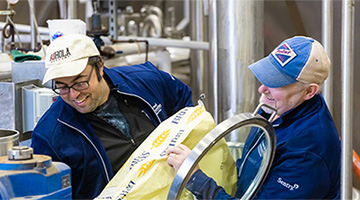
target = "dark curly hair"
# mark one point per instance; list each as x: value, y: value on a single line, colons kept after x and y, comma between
x: 96, y: 62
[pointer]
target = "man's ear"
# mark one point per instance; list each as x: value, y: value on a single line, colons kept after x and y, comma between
x: 311, y: 90
x: 101, y: 67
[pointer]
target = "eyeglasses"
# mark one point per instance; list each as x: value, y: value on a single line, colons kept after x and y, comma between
x: 83, y: 85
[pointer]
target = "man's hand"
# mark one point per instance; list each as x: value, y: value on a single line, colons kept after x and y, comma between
x: 177, y: 155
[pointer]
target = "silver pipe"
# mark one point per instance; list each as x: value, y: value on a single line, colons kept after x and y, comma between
x: 240, y: 43
x: 227, y: 52
x: 152, y: 22
x: 62, y: 8
x: 327, y: 41
x: 32, y: 25
x: 213, y: 64
x: 161, y: 42
x: 195, y: 55
x: 347, y: 55
x: 72, y: 9
x: 156, y: 11
x: 23, y: 28
x: 185, y: 21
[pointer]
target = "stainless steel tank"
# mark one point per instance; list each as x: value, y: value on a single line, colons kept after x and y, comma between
x: 8, y: 139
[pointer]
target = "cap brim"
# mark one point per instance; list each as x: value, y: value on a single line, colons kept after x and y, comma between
x: 269, y: 75
x: 65, y: 69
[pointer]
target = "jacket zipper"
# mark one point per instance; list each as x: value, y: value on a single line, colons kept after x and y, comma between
x: 97, y: 151
x: 249, y: 151
x: 145, y: 114
x: 123, y: 135
x: 143, y: 101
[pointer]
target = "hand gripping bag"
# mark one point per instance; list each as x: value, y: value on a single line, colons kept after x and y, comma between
x: 146, y: 174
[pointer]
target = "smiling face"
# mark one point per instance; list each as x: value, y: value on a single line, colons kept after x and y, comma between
x: 284, y: 98
x: 87, y: 100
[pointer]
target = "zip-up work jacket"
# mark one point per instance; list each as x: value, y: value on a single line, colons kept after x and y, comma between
x: 306, y: 163
x: 65, y: 134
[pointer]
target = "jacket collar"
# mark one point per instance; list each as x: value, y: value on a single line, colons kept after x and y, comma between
x: 117, y: 80
x: 308, y: 106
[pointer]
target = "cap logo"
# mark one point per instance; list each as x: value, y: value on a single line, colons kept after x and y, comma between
x: 284, y: 54
x: 61, y: 54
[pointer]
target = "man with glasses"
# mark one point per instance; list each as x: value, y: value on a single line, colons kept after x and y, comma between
x: 102, y: 114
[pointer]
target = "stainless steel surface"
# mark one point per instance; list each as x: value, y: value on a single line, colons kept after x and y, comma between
x: 29, y: 70
x: 62, y: 8
x: 219, y: 132
x: 10, y: 106
x: 7, y: 105
x: 212, y: 92
x: 240, y: 43
x: 8, y: 139
x: 199, y: 59
x: 5, y: 75
x: 347, y: 56
x: 20, y: 153
x: 228, y: 41
x: 251, y: 49
x: 327, y: 41
x: 72, y: 9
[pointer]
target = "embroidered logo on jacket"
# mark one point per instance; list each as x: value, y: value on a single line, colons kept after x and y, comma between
x: 157, y: 108
x: 289, y: 186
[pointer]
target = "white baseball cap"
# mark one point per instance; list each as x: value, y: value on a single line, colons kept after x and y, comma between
x: 68, y: 55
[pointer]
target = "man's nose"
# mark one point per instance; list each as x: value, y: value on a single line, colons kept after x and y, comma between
x: 73, y: 93
x: 262, y: 89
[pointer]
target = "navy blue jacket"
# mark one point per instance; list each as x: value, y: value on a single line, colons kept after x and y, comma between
x: 65, y: 134
x: 306, y: 163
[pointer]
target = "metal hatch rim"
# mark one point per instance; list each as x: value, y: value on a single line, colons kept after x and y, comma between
x: 210, y: 139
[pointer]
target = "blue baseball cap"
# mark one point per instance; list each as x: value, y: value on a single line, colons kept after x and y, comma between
x: 299, y: 58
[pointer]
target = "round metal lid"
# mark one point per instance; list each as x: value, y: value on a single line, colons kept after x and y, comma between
x: 220, y: 131
x: 20, y: 153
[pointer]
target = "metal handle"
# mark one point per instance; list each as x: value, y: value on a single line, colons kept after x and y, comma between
x: 265, y: 105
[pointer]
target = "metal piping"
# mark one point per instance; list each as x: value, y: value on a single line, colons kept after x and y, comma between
x: 62, y: 8
x: 72, y: 9
x: 161, y: 42
x: 213, y: 64
x: 185, y: 21
x: 32, y: 24
x: 327, y: 41
x: 152, y: 26
x: 197, y: 57
x: 347, y: 55
x: 22, y: 28
x: 240, y: 43
x: 227, y: 52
